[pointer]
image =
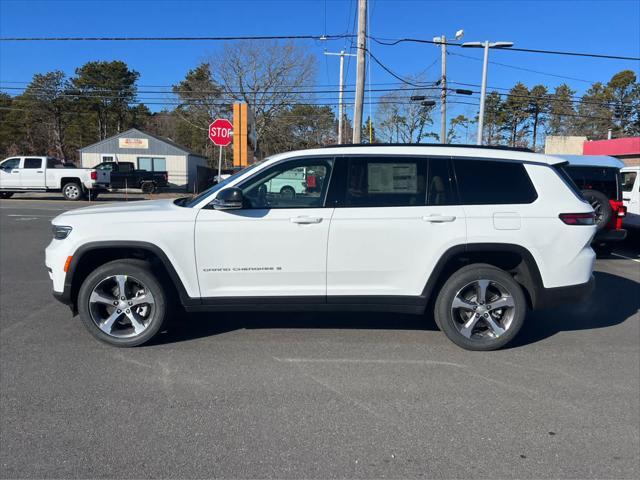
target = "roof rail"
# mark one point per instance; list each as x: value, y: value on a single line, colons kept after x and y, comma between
x: 455, y: 145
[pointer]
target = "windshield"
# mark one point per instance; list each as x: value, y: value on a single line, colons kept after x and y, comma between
x: 219, y: 186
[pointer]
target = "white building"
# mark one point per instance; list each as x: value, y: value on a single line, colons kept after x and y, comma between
x: 147, y: 152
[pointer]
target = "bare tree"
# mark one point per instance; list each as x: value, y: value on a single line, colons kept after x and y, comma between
x: 401, y: 120
x: 270, y: 76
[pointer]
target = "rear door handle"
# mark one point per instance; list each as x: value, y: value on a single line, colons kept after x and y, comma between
x: 39, y: 171
x: 306, y: 220
x: 439, y: 218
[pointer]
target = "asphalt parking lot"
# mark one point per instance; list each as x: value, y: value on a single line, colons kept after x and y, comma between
x: 290, y: 395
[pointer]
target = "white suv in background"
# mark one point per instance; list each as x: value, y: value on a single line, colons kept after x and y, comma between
x: 631, y: 196
x: 475, y: 236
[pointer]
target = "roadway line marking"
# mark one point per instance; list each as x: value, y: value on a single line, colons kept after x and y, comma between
x: 365, y: 361
x: 35, y: 208
x: 628, y: 258
x: 29, y: 216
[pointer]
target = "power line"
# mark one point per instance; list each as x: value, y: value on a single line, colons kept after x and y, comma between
x: 174, y: 39
x: 393, y: 42
x: 524, y: 69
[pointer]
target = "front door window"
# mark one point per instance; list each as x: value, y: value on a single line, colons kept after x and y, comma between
x: 296, y: 184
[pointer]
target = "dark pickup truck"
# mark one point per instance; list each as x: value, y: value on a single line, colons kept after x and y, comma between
x: 117, y: 175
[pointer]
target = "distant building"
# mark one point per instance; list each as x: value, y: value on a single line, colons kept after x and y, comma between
x: 626, y: 149
x: 564, y: 144
x: 147, y: 152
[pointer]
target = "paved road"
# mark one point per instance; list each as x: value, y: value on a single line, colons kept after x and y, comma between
x: 310, y: 395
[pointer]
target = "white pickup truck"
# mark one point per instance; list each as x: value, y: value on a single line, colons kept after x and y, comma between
x: 45, y: 174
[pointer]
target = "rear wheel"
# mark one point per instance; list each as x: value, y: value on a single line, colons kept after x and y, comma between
x: 287, y: 193
x: 148, y: 187
x: 6, y: 194
x: 122, y: 303
x: 480, y: 307
x: 72, y: 191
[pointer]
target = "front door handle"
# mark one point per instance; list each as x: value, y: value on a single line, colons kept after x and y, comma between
x: 15, y: 171
x: 306, y: 220
x: 439, y: 218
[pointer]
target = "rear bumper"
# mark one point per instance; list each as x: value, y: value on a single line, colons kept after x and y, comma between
x: 552, y: 297
x: 608, y: 236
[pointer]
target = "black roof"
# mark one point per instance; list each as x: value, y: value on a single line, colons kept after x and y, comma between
x: 454, y: 145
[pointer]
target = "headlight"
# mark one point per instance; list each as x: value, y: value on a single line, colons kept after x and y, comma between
x: 60, y: 232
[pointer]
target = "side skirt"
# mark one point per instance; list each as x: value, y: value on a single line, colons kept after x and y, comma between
x: 395, y: 304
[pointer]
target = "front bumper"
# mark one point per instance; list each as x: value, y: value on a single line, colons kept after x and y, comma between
x: 552, y: 297
x: 609, y: 236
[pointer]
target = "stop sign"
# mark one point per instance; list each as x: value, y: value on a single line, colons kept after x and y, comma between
x: 220, y: 132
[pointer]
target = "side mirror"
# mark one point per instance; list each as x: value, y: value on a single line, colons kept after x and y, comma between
x: 228, y: 199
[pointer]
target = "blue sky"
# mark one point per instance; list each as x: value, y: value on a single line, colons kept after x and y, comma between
x: 607, y: 27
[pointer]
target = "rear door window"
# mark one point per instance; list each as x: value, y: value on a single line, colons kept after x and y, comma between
x: 32, y: 163
x: 385, y: 182
x: 601, y: 179
x: 490, y: 182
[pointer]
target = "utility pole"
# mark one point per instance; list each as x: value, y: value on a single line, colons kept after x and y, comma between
x: 442, y: 40
x: 362, y: 46
x: 443, y: 92
x: 342, y: 54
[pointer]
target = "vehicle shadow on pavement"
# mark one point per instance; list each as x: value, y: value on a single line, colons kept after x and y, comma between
x: 190, y: 326
x: 599, y: 311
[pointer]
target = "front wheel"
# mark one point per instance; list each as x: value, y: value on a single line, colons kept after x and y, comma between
x: 480, y: 307
x: 72, y: 191
x: 122, y: 303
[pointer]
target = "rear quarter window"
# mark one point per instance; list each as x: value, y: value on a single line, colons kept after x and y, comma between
x: 488, y: 182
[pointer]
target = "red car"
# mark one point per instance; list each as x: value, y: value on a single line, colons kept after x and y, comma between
x: 598, y: 178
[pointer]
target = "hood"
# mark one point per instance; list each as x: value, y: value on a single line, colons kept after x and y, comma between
x: 133, y: 207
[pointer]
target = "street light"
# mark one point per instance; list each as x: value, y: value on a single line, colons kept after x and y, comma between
x: 483, y: 91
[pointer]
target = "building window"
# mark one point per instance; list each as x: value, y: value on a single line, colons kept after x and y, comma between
x: 108, y: 158
x: 152, y: 164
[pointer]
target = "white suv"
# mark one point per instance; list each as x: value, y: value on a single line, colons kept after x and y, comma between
x: 483, y: 232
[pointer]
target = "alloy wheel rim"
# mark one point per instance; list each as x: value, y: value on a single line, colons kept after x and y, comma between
x: 121, y: 306
x: 72, y: 191
x: 483, y: 309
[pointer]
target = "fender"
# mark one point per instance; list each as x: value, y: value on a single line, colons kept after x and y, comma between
x: 66, y: 296
x: 529, y: 274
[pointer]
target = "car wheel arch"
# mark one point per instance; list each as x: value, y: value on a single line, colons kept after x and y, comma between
x: 94, y: 254
x: 513, y: 258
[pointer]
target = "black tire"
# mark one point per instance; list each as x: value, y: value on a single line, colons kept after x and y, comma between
x: 480, y: 335
x: 287, y: 192
x: 148, y: 187
x: 6, y: 194
x: 601, y: 206
x: 72, y: 191
x: 136, y: 271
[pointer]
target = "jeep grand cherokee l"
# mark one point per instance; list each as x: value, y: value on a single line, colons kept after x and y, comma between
x: 485, y: 233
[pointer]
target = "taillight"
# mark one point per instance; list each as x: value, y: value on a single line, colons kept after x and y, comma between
x: 94, y: 175
x: 578, y: 218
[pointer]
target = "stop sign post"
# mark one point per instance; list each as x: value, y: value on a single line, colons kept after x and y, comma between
x: 220, y: 133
